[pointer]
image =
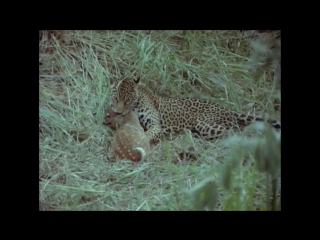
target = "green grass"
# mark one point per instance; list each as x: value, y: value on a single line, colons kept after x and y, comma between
x: 74, y: 76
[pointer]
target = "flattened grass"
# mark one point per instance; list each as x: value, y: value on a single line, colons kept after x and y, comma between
x: 74, y: 73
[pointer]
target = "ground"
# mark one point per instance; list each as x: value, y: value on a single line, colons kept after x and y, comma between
x: 229, y: 67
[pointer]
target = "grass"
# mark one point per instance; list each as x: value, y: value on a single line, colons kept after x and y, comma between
x: 75, y: 68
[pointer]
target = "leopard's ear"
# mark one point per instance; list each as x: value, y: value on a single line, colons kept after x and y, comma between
x: 137, y: 80
x: 114, y: 81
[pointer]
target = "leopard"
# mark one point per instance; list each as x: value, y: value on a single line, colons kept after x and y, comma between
x: 161, y: 115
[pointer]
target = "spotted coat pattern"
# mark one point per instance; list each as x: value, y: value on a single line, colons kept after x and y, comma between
x: 130, y: 141
x: 160, y: 115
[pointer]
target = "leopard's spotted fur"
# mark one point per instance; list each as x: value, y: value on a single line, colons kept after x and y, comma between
x: 162, y: 115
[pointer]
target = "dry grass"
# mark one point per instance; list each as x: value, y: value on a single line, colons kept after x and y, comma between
x: 74, y: 73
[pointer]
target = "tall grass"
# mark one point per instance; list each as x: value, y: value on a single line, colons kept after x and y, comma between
x: 75, y: 68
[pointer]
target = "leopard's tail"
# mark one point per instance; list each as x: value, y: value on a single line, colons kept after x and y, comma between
x: 244, y: 120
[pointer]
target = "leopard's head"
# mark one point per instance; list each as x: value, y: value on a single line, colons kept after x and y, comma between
x: 124, y: 94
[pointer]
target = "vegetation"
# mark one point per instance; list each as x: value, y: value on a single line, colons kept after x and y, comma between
x: 240, y: 70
